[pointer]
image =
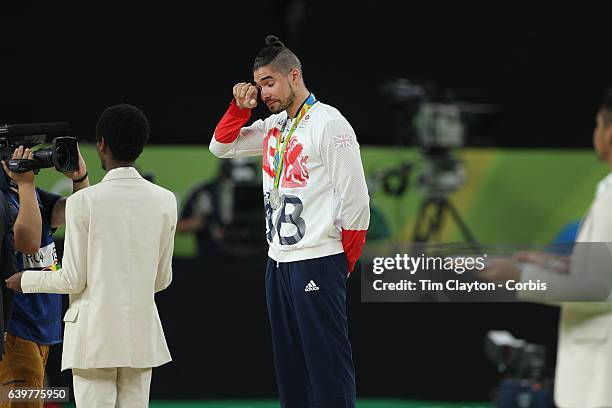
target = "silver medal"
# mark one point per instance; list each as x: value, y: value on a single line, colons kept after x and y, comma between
x: 275, y: 199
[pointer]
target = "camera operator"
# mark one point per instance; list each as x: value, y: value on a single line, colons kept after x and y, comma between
x: 7, y: 266
x: 201, y: 214
x: 36, y: 319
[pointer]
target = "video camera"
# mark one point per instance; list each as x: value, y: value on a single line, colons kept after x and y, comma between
x: 526, y: 383
x: 60, y: 152
x: 437, y: 124
x: 515, y: 356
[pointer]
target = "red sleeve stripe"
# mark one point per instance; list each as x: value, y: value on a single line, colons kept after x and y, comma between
x: 230, y: 124
x: 353, y: 242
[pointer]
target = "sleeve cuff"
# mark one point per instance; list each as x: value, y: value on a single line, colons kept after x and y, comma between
x: 29, y: 281
x: 353, y: 242
x: 239, y: 112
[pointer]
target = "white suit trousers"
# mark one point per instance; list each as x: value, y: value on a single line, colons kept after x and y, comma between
x: 112, y: 387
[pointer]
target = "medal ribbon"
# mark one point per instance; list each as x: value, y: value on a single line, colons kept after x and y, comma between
x: 279, y: 161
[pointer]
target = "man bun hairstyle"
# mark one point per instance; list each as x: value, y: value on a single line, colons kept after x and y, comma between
x: 125, y: 130
x: 276, y: 54
x: 273, y: 41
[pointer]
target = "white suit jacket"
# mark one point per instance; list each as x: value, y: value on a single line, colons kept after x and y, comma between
x: 583, y: 375
x: 117, y: 254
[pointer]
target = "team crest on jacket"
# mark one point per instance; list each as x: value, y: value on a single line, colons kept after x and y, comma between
x: 295, y: 170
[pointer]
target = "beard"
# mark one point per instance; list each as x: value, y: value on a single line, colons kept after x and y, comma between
x: 283, y: 105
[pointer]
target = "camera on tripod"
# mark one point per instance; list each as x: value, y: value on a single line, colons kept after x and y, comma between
x: 50, y: 144
x: 437, y: 124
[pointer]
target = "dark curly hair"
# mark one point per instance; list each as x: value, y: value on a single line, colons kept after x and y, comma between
x: 125, y: 130
x: 276, y: 54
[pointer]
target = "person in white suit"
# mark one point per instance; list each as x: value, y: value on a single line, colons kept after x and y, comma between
x: 583, y: 375
x: 117, y: 255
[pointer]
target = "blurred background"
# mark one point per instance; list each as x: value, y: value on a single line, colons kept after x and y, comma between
x: 488, y: 105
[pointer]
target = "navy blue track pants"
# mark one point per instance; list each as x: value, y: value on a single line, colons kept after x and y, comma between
x: 312, y: 353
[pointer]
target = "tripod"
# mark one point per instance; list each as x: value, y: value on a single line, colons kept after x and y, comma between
x: 427, y: 227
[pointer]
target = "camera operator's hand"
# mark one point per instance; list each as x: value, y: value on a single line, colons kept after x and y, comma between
x: 245, y: 95
x: 21, y: 178
x: 77, y: 175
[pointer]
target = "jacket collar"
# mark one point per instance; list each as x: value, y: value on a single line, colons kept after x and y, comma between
x: 122, y: 173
